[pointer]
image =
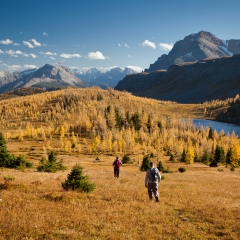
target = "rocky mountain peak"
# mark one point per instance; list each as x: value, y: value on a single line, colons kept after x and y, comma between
x: 195, y: 47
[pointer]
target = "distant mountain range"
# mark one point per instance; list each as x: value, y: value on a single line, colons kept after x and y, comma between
x: 96, y: 77
x: 51, y: 77
x: 196, y: 47
x: 199, y: 68
x: 47, y: 77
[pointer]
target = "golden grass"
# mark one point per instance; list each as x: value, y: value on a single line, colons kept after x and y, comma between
x: 202, y: 203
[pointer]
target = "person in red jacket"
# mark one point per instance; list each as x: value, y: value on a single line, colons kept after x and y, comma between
x: 117, y: 163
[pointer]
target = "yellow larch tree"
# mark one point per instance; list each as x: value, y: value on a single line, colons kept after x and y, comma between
x: 235, y: 158
x: 190, y: 155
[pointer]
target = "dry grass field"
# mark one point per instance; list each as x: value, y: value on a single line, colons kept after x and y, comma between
x: 202, y: 203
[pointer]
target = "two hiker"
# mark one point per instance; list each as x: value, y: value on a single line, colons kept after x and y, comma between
x: 152, y: 179
x: 117, y: 164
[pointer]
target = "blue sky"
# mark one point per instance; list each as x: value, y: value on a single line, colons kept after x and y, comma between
x: 104, y: 33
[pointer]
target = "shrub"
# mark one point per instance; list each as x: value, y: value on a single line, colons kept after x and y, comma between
x: 77, y: 181
x: 7, y: 182
x: 152, y: 155
x: 10, y: 161
x: 50, y: 165
x: 232, y: 168
x: 213, y: 163
x: 220, y: 169
x: 145, y: 163
x: 167, y: 170
x: 97, y: 158
x: 126, y: 159
x: 172, y: 158
x: 162, y: 177
x: 160, y: 166
x: 182, y: 169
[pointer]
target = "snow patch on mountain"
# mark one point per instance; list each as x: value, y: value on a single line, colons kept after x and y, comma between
x: 225, y: 50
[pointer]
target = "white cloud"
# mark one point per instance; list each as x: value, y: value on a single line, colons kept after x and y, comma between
x: 28, y: 44
x: 16, y: 53
x: 135, y: 68
x: 11, y: 52
x: 14, y: 67
x: 16, y: 44
x: 36, y: 44
x: 45, y: 34
x: 148, y: 44
x: 166, y: 46
x: 44, y: 45
x: 33, y: 55
x: 29, y: 66
x: 52, y: 58
x: 129, y: 56
x: 48, y: 53
x: 6, y: 42
x: 119, y: 44
x: 96, y: 55
x: 125, y: 45
x: 65, y: 55
x: 1, y: 52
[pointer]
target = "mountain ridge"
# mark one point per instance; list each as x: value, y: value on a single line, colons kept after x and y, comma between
x: 196, y: 47
x: 191, y: 83
x: 47, y: 77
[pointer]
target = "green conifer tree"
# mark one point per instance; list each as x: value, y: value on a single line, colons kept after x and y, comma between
x: 219, y: 154
x: 228, y: 156
x: 77, y: 181
x: 145, y: 163
x: 160, y: 166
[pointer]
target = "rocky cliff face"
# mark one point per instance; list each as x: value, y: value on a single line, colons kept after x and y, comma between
x: 47, y: 77
x: 191, y: 83
x: 196, y: 47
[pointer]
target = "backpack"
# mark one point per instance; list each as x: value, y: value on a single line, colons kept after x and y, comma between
x: 117, y: 164
x: 153, y: 174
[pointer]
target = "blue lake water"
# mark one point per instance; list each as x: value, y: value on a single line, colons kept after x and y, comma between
x: 218, y: 126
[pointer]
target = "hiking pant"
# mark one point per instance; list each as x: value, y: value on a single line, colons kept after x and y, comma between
x: 152, y: 188
x: 116, y: 172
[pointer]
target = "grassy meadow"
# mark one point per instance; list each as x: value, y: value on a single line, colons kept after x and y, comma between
x: 78, y: 124
x: 201, y: 203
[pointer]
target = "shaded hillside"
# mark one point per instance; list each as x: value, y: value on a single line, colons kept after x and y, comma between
x: 21, y: 92
x: 196, y: 47
x: 227, y: 111
x: 193, y: 83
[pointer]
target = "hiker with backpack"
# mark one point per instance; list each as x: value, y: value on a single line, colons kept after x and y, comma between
x: 117, y: 163
x: 152, y: 178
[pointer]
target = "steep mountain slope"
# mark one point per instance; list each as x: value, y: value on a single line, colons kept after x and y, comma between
x: 47, y: 77
x: 194, y: 48
x: 6, y: 77
x: 192, y: 83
